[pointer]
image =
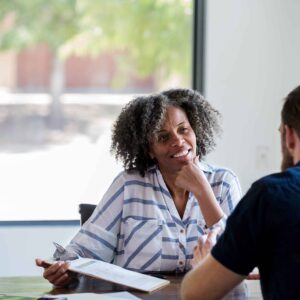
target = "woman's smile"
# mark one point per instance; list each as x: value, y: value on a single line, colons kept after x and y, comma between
x: 185, y: 154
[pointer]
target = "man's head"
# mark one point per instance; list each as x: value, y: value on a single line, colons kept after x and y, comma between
x: 290, y: 129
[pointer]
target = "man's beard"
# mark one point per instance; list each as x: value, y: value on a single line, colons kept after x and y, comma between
x: 287, y: 159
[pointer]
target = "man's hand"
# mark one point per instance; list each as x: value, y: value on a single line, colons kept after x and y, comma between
x: 57, y: 273
x: 205, y: 244
x: 253, y: 276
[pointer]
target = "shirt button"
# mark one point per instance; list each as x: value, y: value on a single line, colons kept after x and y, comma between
x: 181, y: 230
x: 181, y: 262
x: 181, y: 246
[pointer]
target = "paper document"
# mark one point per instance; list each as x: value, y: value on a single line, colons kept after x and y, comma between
x: 110, y: 272
x: 17, y: 297
x: 106, y: 296
x: 78, y: 296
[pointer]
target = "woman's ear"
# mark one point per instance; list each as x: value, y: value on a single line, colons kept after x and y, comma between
x: 150, y: 152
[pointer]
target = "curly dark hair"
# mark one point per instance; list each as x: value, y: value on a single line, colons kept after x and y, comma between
x: 142, y: 117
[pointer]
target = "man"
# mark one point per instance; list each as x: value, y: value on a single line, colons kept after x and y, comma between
x: 263, y: 230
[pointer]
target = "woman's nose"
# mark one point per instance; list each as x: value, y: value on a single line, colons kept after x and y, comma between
x: 177, y: 140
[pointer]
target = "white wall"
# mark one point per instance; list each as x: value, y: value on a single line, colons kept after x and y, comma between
x: 20, y: 245
x: 252, y: 62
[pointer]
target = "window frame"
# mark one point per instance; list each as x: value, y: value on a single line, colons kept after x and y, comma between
x: 198, y: 54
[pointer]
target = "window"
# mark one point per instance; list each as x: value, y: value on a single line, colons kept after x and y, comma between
x: 67, y: 68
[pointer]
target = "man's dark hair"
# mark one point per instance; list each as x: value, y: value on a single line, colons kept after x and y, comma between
x: 290, y: 114
x: 142, y: 118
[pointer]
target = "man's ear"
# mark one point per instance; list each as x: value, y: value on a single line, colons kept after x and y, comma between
x: 290, y: 138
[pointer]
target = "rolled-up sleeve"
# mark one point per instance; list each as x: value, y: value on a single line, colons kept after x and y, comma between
x: 98, y: 236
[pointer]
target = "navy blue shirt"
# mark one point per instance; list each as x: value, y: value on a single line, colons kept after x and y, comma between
x: 264, y: 232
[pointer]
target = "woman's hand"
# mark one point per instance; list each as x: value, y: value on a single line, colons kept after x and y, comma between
x: 57, y: 273
x: 205, y: 244
x: 190, y: 177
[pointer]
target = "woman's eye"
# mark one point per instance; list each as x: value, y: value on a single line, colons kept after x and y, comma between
x: 183, y: 129
x: 163, y: 138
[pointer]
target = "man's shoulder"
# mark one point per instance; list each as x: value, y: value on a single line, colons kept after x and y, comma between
x: 277, y: 187
x: 265, y: 184
x: 280, y: 178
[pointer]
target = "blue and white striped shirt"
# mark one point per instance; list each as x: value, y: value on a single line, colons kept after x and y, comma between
x: 137, y: 226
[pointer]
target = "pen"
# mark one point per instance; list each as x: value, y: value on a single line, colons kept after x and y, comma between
x: 63, y: 254
x: 59, y: 248
x: 156, y: 274
x: 159, y: 276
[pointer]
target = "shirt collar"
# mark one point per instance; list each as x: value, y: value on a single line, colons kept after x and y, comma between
x: 205, y: 167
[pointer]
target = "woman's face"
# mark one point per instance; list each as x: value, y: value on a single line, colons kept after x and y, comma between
x: 175, y: 144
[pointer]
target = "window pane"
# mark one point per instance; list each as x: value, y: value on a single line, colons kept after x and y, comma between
x: 67, y: 68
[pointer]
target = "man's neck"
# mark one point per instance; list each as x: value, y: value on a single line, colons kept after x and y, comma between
x: 296, y: 160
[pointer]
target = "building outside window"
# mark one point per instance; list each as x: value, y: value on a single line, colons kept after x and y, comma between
x: 67, y: 69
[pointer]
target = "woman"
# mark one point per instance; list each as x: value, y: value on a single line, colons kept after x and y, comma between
x: 154, y: 212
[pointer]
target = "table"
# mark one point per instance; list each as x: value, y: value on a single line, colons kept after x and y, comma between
x: 37, y: 286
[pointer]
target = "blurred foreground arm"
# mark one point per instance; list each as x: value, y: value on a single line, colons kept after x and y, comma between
x: 209, y: 280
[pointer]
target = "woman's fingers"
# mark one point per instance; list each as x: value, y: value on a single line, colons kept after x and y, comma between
x: 41, y: 263
x: 189, y: 177
x: 62, y: 280
x: 57, y: 273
